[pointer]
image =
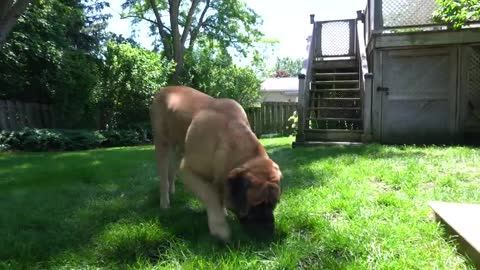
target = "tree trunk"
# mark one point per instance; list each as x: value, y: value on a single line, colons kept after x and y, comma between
x: 178, y: 55
x: 9, y: 16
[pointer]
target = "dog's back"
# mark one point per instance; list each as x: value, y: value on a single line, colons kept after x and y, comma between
x: 172, y: 111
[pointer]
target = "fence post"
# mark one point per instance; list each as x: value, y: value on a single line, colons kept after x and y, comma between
x: 377, y: 16
x: 367, y: 108
x: 352, y: 50
x: 301, y: 109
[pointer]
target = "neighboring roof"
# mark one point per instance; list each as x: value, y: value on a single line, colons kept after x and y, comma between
x: 280, y: 84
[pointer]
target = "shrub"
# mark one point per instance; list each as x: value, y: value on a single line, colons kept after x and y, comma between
x: 31, y: 139
x: 122, y: 138
x: 292, y: 126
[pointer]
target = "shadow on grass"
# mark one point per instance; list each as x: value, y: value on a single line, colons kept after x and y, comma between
x: 41, y: 169
x: 53, y: 202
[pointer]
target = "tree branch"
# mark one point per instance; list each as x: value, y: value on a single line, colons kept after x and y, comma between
x: 10, y: 18
x: 188, y: 22
x: 139, y: 17
x: 196, y: 30
x: 161, y: 27
x: 148, y: 20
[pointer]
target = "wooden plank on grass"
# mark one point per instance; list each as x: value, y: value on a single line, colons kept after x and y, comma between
x: 462, y: 219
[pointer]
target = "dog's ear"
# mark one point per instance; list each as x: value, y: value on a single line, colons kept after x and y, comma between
x: 237, y: 185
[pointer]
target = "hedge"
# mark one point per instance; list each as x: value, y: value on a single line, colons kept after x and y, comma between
x: 32, y: 139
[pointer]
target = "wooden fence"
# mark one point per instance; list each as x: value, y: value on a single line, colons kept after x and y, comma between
x: 271, y: 118
x: 15, y: 115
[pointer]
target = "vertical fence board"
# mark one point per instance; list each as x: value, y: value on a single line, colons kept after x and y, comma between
x: 44, y: 115
x: 38, y: 115
x: 12, y: 115
x: 272, y: 115
x: 278, y: 119
x: 51, y: 115
x: 3, y: 115
x: 21, y: 114
x: 30, y: 112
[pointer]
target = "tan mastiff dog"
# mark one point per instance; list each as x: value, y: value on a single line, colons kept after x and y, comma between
x: 223, y: 163
x: 171, y: 113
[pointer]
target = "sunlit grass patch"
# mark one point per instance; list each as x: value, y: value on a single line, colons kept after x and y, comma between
x: 360, y: 207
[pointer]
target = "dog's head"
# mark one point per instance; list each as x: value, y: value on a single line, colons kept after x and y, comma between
x: 253, y: 191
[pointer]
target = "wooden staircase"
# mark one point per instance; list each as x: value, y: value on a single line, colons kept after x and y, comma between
x: 334, y: 111
x: 331, y: 103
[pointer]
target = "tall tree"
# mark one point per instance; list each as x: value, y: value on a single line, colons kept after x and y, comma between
x: 10, y: 11
x: 181, y: 24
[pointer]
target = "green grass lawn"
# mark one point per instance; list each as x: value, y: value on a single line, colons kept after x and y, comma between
x: 360, y: 207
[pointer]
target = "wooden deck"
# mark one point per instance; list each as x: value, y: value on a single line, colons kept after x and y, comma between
x: 462, y: 220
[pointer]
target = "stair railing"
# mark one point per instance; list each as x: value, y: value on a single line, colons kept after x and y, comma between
x: 304, y: 80
x: 365, y: 78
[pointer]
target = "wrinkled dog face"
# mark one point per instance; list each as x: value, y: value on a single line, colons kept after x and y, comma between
x: 254, y: 191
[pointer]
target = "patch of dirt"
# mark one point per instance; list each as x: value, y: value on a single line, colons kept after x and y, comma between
x: 427, y: 186
x: 380, y: 185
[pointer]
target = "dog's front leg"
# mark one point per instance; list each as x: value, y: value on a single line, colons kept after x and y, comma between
x: 207, y: 194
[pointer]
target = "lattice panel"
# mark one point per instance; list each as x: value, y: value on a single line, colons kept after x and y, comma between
x: 407, y: 12
x: 473, y: 94
x: 335, y: 38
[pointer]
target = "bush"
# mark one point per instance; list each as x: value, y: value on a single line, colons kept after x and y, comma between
x: 129, y: 77
x: 292, y: 126
x: 30, y: 139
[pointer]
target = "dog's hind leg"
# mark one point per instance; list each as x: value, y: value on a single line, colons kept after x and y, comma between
x: 162, y: 155
x: 162, y: 149
x: 174, y: 163
x: 207, y: 194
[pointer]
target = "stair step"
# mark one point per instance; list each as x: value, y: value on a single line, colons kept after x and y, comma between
x: 333, y: 135
x: 347, y: 63
x: 334, y: 130
x: 336, y: 81
x: 334, y: 108
x: 335, y: 98
x: 335, y: 119
x: 320, y: 74
x: 328, y: 143
x: 339, y: 90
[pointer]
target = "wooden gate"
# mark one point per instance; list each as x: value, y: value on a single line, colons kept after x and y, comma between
x: 418, y: 95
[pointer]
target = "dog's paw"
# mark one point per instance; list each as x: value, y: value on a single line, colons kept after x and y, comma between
x: 224, y: 239
x: 222, y: 233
